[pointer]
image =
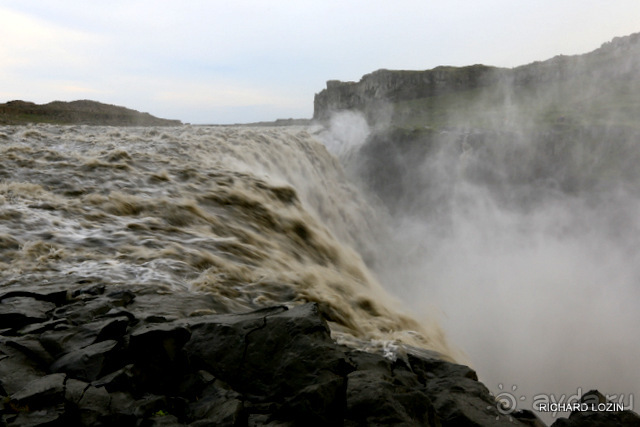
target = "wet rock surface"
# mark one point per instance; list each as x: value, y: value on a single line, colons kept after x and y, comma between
x: 143, y: 357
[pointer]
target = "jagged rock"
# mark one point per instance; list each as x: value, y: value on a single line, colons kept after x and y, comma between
x: 51, y: 416
x: 380, y: 392
x: 87, y: 363
x: 594, y: 418
x: 74, y: 390
x: 38, y: 328
x: 92, y: 307
x: 218, y: 405
x: 614, y: 61
x: 277, y: 366
x: 32, y: 348
x: 122, y: 408
x: 218, y: 344
x: 41, y: 392
x: 155, y: 350
x: 457, y: 395
x: 121, y: 379
x: 194, y: 383
x: 17, y: 369
x: 158, y: 343
x: 70, y: 339
x: 53, y: 294
x: 149, y: 405
x: 17, y: 312
x: 93, y: 405
x: 296, y: 340
x: 391, y: 85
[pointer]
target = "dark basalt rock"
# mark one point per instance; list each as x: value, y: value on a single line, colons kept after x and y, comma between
x: 17, y: 369
x: 41, y: 391
x: 22, y: 311
x: 591, y: 418
x: 381, y: 391
x: 141, y: 356
x: 86, y: 363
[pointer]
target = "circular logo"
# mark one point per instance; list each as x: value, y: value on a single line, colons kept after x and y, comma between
x: 506, y: 401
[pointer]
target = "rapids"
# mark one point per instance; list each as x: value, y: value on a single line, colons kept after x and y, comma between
x: 256, y: 216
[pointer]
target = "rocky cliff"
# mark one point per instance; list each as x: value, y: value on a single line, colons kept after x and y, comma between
x: 478, y: 155
x: 77, y: 112
x: 136, y: 356
x: 394, y: 86
x: 420, y: 97
x: 143, y: 356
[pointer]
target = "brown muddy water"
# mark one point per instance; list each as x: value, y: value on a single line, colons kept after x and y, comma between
x: 256, y: 216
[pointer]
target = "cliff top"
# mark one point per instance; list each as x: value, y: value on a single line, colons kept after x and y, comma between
x: 598, y: 87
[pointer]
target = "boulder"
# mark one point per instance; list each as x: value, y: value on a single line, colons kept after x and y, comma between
x: 45, y: 390
x: 16, y: 312
x: 608, y: 416
x: 144, y: 356
x: 88, y: 363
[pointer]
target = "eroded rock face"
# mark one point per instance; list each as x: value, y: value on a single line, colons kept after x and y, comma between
x: 615, y: 61
x: 138, y: 356
x: 594, y: 418
x: 394, y: 85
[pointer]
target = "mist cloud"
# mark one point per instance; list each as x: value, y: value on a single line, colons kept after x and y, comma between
x: 521, y: 235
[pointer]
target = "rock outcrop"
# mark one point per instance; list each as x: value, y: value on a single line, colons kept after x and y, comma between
x: 385, y: 86
x: 77, y: 112
x: 615, y: 61
x: 591, y: 417
x: 142, y: 356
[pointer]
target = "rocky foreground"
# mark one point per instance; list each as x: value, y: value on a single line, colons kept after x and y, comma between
x: 143, y: 356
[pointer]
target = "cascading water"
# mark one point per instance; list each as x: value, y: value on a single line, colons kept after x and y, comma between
x: 256, y: 216
x: 526, y: 239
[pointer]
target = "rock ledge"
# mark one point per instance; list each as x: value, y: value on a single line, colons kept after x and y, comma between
x: 143, y: 356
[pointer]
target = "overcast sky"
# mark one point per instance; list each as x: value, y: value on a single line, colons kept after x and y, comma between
x: 248, y: 60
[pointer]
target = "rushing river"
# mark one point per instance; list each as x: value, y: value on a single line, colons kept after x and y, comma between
x: 524, y: 249
x: 256, y: 216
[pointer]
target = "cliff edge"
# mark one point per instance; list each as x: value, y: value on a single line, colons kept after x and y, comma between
x: 559, y: 87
